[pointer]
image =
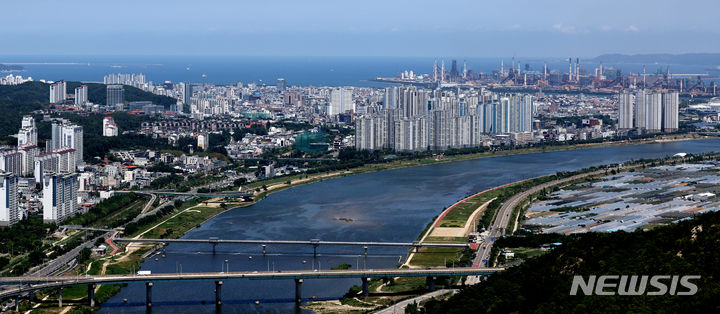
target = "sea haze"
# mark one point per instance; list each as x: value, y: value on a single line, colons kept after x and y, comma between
x: 316, y: 71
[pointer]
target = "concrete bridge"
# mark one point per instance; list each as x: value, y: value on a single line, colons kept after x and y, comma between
x: 195, y: 194
x: 314, y: 242
x: 86, y: 228
x: 29, y: 284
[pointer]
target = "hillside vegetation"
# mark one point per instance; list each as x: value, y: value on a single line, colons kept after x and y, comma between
x: 19, y: 100
x: 542, y: 284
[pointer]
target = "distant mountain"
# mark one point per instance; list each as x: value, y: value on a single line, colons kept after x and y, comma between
x: 685, y: 59
x: 12, y: 67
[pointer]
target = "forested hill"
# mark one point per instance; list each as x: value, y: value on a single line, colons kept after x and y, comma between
x: 19, y: 100
x: 542, y: 284
x: 39, y: 93
x: 97, y: 93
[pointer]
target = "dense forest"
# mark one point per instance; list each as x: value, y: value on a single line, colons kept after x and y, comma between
x: 542, y: 284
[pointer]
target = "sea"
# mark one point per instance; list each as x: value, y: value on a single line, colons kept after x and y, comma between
x: 297, y: 71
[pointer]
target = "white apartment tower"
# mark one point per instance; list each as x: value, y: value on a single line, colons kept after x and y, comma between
x: 58, y: 92
x: 59, y: 197
x: 109, y: 127
x: 203, y: 141
x: 28, y: 132
x: 81, y: 95
x: 625, y: 112
x: 654, y: 106
x: 650, y: 113
x: 641, y: 110
x: 340, y: 101
x: 670, y: 111
x: 11, y: 162
x: 9, y: 213
x: 67, y: 135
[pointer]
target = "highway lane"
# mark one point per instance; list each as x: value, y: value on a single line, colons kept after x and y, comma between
x: 503, y: 214
x: 400, y: 306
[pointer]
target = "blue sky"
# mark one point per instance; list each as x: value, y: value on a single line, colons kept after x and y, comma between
x: 359, y: 28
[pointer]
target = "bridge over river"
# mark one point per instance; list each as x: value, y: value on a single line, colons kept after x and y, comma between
x: 18, y: 286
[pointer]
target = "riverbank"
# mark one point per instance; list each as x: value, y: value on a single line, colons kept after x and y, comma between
x: 504, y: 169
x: 266, y: 187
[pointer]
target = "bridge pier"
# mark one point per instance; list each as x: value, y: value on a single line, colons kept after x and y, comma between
x: 264, y: 247
x: 218, y: 292
x: 315, y: 245
x: 430, y: 281
x: 91, y: 294
x: 213, y: 247
x: 298, y: 291
x: 60, y: 297
x: 17, y: 304
x: 365, y: 250
x: 148, y: 294
x: 365, y: 289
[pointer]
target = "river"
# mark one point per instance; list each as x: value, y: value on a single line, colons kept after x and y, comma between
x: 392, y: 205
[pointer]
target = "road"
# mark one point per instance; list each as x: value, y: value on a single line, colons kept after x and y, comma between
x: 503, y: 214
x: 399, y: 307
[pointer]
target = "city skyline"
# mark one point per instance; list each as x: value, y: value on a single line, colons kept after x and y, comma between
x: 326, y: 28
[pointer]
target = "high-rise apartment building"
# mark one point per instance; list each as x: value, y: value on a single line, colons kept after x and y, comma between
x: 11, y: 162
x: 203, y: 141
x: 340, y: 101
x: 115, y: 96
x: 27, y: 155
x: 187, y: 93
x: 58, y: 92
x: 626, y: 111
x: 670, y: 109
x: 59, y: 197
x: 81, y: 95
x: 440, y: 119
x: 653, y: 103
x: 648, y: 112
x: 28, y: 132
x: 9, y: 213
x: 66, y: 135
x: 641, y: 110
x: 281, y: 84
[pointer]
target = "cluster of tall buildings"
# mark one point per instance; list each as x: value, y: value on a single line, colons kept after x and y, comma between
x: 55, y: 170
x: 58, y: 94
x: 414, y: 119
x: 648, y: 112
x: 14, y: 79
x: 132, y: 79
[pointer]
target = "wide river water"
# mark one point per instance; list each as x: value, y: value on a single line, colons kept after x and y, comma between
x: 393, y: 205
